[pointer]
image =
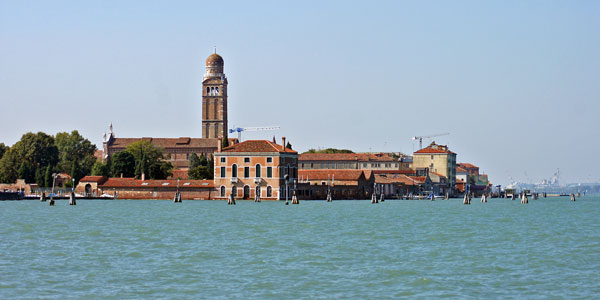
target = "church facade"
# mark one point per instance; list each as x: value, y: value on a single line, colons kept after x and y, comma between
x: 214, y: 122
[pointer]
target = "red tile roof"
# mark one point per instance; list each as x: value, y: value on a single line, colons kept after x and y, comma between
x: 384, y: 157
x: 467, y: 166
x: 182, y: 142
x: 460, y: 169
x: 399, y: 179
x: 257, y: 146
x: 96, y: 179
x: 337, y: 174
x: 130, y: 182
x: 408, y: 172
x: 419, y: 179
x: 429, y: 150
x: 180, y: 173
x: 438, y: 174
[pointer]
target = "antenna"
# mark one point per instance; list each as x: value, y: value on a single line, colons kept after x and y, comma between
x: 215, y: 49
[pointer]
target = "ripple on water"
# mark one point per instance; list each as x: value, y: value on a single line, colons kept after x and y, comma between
x: 345, y: 249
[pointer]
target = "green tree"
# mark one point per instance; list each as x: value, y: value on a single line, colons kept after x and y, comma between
x: 123, y: 163
x: 36, y: 149
x: 202, y: 160
x: 288, y: 145
x: 211, y: 167
x: 26, y: 171
x: 48, y: 177
x: 74, y: 150
x: 225, y: 142
x: 76, y: 172
x: 200, y: 167
x: 329, y: 151
x: 100, y: 169
x: 149, y: 160
x: 194, y: 160
x: 3, y: 149
x: 40, y: 177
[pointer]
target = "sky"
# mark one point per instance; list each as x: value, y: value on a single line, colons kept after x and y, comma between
x: 515, y: 83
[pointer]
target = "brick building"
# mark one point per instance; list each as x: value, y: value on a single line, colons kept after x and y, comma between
x: 438, y: 159
x: 176, y: 150
x: 130, y: 188
x: 356, y: 161
x: 344, y: 184
x: 255, y: 167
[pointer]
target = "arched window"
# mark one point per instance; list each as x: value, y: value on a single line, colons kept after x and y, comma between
x: 257, y: 171
x: 257, y: 191
x: 222, y: 191
x: 269, y: 192
x: 208, y: 90
x: 234, y: 191
x: 246, y: 192
x: 234, y: 171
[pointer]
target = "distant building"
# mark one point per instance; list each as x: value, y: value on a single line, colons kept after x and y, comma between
x: 461, y: 175
x: 343, y: 183
x: 437, y: 159
x: 354, y: 161
x: 176, y: 150
x: 214, y: 122
x: 473, y: 176
x: 131, y: 188
x: 470, y: 169
x: 255, y: 167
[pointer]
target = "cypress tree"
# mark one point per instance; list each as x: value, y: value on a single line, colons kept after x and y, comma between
x: 48, y: 177
x: 225, y: 143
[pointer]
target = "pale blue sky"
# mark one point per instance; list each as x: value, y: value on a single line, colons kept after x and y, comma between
x: 516, y: 83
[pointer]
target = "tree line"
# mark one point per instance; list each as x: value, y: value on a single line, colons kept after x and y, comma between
x: 36, y: 156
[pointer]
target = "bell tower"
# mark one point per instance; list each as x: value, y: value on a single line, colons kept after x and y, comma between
x: 214, y: 99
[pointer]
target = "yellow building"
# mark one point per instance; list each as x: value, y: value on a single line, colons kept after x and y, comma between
x: 438, y: 159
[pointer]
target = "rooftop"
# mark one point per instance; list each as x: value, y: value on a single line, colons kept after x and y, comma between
x: 131, y: 182
x: 182, y: 142
x: 435, y: 149
x: 325, y: 174
x: 257, y: 146
x: 382, y: 157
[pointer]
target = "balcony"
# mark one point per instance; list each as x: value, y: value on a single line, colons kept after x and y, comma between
x: 234, y: 180
x: 257, y: 180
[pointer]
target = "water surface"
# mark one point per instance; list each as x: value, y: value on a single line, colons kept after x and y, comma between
x: 129, y: 249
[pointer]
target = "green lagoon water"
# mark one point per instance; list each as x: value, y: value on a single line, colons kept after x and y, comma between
x: 548, y: 249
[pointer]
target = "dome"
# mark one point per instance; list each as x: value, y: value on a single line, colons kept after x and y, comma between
x: 214, y: 59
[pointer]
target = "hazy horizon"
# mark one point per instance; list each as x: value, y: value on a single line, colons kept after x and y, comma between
x: 515, y: 83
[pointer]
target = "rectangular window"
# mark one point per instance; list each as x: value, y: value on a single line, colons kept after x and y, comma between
x: 269, y: 172
x: 269, y: 159
x: 246, y: 159
x: 246, y: 172
x: 222, y: 172
x: 222, y: 159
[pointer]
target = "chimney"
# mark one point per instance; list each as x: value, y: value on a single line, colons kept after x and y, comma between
x: 220, y: 144
x: 143, y: 176
x: 283, y: 140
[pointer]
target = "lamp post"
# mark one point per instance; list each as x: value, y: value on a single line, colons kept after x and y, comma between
x: 73, y: 186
